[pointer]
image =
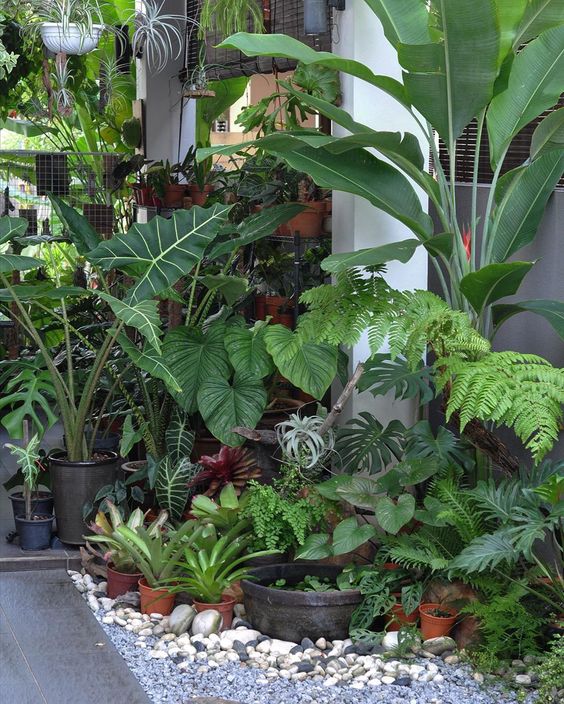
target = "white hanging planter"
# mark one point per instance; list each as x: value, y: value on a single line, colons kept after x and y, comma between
x: 72, y: 38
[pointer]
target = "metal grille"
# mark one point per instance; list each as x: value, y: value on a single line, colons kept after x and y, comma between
x: 466, y: 147
x: 286, y: 17
x: 83, y: 179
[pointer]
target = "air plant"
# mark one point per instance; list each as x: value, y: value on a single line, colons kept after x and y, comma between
x: 233, y: 465
x: 61, y: 78
x: 301, y: 443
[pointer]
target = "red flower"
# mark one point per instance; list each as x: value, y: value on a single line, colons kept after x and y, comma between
x: 233, y: 465
x: 467, y: 241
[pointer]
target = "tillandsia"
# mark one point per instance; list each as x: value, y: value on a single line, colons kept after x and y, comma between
x: 302, y: 444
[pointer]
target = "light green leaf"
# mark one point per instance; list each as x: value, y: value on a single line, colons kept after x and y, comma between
x: 552, y: 311
x: 16, y: 262
x: 405, y: 22
x: 348, y: 535
x: 372, y: 256
x: 394, y: 515
x: 225, y: 405
x: 361, y: 492
x: 195, y: 356
x: 83, y: 235
x: 522, y: 205
x: 247, y: 350
x: 45, y: 289
x: 232, y: 288
x: 10, y: 228
x: 143, y: 316
x: 129, y: 436
x: 492, y: 282
x: 308, y: 365
x: 29, y: 395
x: 381, y: 374
x: 315, y: 547
x: 549, y: 134
x: 536, y: 81
x: 163, y: 249
x: 151, y: 362
x: 485, y: 553
x: 539, y: 16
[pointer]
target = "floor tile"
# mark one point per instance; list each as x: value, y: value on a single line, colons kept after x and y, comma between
x: 17, y: 682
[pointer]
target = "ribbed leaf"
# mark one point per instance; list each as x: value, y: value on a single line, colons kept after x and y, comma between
x: 361, y: 492
x: 45, y: 289
x: 405, y: 22
x: 372, y: 256
x: 162, y: 249
x: 551, y: 311
x: 539, y: 16
x: 179, y: 438
x: 151, y: 362
x: 485, y: 553
x: 171, y: 486
x: 224, y: 405
x: 195, y: 356
x: 247, y: 350
x: 143, y: 316
x: 316, y: 547
x: 78, y: 228
x: 381, y: 375
x: 349, y: 536
x: 363, y: 444
x: 522, y: 205
x: 10, y: 228
x: 232, y: 288
x: 536, y: 81
x: 309, y: 366
x: 452, y: 79
x: 445, y: 448
x: 549, y: 134
x: 490, y: 283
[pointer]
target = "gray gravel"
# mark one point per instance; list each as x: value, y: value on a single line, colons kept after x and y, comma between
x: 166, y: 684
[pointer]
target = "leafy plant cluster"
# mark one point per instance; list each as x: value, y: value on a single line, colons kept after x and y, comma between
x: 551, y: 672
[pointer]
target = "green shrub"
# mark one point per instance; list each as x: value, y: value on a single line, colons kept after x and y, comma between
x: 551, y: 673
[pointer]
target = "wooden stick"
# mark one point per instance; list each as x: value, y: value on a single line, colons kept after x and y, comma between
x: 337, y: 409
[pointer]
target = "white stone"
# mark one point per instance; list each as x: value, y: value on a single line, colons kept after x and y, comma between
x: 357, y: 685
x: 106, y: 604
x: 146, y: 632
x: 156, y: 617
x: 439, y: 645
x: 183, y: 665
x: 158, y: 630
x: 330, y: 682
x: 388, y: 680
x: 438, y: 679
x: 280, y: 647
x: 136, y: 622
x: 158, y: 654
x: 243, y: 635
x: 520, y: 679
x: 93, y: 603
x: 321, y: 643
x: 479, y: 678
x: 181, y: 619
x: 390, y: 641
x: 206, y: 622
x: 263, y: 647
x: 226, y: 643
x: 374, y: 682
x: 168, y: 637
x: 107, y: 619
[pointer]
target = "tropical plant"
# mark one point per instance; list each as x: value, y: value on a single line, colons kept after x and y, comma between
x: 84, y: 14
x: 28, y: 459
x: 105, y: 528
x: 234, y: 466
x: 8, y: 59
x: 228, y: 16
x: 516, y: 75
x: 212, y: 563
x: 551, y: 672
x: 157, y: 34
x: 224, y: 513
x: 302, y: 444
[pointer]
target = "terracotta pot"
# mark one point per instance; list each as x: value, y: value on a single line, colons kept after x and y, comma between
x: 281, y: 310
x: 155, y: 601
x: 121, y: 582
x: 390, y: 566
x: 225, y: 609
x: 308, y: 223
x: 145, y: 195
x: 397, y: 616
x: 435, y: 626
x: 173, y: 195
x: 260, y: 307
x: 199, y: 196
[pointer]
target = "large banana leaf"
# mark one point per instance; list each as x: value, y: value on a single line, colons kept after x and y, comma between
x: 539, y: 16
x: 83, y: 235
x: 195, y: 356
x: 164, y: 249
x: 372, y: 256
x: 281, y: 46
x: 549, y: 134
x: 171, y: 486
x: 143, y: 316
x: 225, y: 405
x: 308, y: 365
x: 149, y: 361
x: 522, y: 205
x: 452, y: 79
x: 405, y: 22
x: 490, y: 283
x: 510, y: 15
x: 536, y: 81
x: 551, y: 311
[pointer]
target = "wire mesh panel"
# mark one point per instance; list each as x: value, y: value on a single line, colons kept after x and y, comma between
x: 83, y: 179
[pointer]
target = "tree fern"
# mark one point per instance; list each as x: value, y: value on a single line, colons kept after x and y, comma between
x: 459, y: 509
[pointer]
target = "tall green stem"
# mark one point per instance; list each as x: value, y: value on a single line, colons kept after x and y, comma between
x: 474, y: 220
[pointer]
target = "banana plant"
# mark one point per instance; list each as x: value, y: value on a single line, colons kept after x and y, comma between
x: 499, y: 63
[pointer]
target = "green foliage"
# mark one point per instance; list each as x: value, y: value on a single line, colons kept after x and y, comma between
x: 172, y: 484
x: 551, y: 672
x: 131, y: 132
x: 381, y: 375
x: 509, y: 625
x: 363, y: 444
x: 29, y: 395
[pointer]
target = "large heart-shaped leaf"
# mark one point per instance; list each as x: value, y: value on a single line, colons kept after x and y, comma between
x: 225, y: 405
x: 348, y: 535
x: 393, y: 515
x: 143, y: 316
x: 78, y: 228
x: 247, y: 350
x: 361, y: 492
x: 308, y: 365
x: 492, y: 282
x: 535, y: 84
x: 149, y: 361
x: 315, y: 547
x: 551, y: 311
x: 195, y: 356
x: 372, y: 256
x: 163, y: 249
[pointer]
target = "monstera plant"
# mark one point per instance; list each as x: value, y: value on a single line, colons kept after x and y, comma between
x: 495, y: 62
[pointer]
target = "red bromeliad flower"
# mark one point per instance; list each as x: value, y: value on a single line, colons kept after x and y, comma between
x: 233, y: 465
x: 467, y: 241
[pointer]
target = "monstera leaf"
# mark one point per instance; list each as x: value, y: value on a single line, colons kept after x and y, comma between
x: 196, y: 356
x: 143, y: 316
x: 30, y: 394
x: 224, y: 405
x: 163, y: 250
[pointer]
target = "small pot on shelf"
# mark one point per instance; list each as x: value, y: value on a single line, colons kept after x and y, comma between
x: 35, y: 532
x: 436, y: 620
x: 308, y: 223
x: 280, y: 309
x: 121, y: 582
x: 155, y: 601
x: 199, y: 195
x: 146, y: 196
x: 225, y: 608
x: 174, y: 195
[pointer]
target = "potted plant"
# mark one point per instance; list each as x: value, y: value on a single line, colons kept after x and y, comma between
x: 273, y: 275
x: 164, y: 179
x: 34, y: 529
x: 212, y: 564
x: 436, y: 620
x: 123, y: 574
x: 199, y: 177
x: 68, y: 26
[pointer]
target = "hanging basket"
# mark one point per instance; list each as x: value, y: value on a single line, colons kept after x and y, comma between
x: 71, y: 38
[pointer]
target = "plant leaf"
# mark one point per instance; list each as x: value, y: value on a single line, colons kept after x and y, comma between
x: 143, y: 316
x: 315, y: 547
x: 80, y: 231
x: 552, y: 311
x: 10, y: 228
x: 400, y: 251
x: 394, y: 515
x: 406, y: 22
x: 232, y: 288
x: 549, y: 134
x: 178, y: 437
x: 364, y: 445
x: 171, y: 486
x: 485, y: 553
x: 361, y: 492
x: 30, y: 394
x: 348, y: 535
x: 381, y: 374
x: 247, y: 350
x: 492, y: 282
x: 151, y: 362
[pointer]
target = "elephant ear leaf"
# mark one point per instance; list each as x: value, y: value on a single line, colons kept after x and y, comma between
x: 394, y: 514
x: 149, y: 361
x: 179, y: 438
x: 83, y: 235
x: 10, y: 229
x: 162, y: 250
x: 142, y: 316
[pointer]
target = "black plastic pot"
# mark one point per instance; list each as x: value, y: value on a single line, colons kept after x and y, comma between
x: 103, y: 441
x: 41, y: 503
x: 34, y: 533
x: 293, y: 615
x: 74, y: 484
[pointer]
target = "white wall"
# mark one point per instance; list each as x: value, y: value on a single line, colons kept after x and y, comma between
x: 356, y: 223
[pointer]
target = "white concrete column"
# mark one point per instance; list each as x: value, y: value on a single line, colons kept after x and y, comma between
x: 356, y: 223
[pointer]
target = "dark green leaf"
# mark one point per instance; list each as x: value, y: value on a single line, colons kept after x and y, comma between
x: 83, y: 235
x: 490, y: 283
x: 400, y: 251
x: 552, y: 311
x: 363, y: 444
x: 381, y: 375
